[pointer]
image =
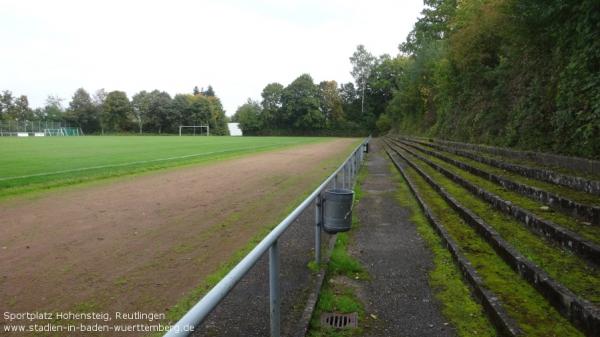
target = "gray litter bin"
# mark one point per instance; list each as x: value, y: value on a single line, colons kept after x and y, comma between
x: 366, y: 148
x: 337, y: 210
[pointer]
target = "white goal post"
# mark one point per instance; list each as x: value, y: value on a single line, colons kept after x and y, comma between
x: 54, y: 132
x: 194, y: 127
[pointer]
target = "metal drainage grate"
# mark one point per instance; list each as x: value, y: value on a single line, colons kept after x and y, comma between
x: 339, y: 321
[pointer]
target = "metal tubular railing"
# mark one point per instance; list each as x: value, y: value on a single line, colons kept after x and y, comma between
x: 196, y: 315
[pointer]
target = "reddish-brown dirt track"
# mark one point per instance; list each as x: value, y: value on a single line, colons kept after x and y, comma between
x: 142, y: 243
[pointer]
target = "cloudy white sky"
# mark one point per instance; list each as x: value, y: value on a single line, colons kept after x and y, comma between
x: 55, y: 47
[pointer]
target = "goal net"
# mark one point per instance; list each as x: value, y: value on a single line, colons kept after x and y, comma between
x: 54, y: 132
x: 194, y: 130
x: 68, y: 131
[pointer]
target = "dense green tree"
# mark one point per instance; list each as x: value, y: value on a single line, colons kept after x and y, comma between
x: 21, y: 109
x: 300, y: 105
x: 210, y: 92
x: 180, y: 106
x: 83, y: 112
x: 331, y: 104
x: 199, y: 110
x: 434, y: 24
x: 503, y: 72
x: 271, y: 105
x: 249, y: 117
x: 6, y: 105
x: 382, y: 83
x: 98, y: 99
x: 160, y: 112
x: 140, y: 105
x: 218, y: 120
x: 117, y: 109
x: 53, y: 109
x: 384, y: 123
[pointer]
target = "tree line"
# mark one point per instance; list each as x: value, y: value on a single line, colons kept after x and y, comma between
x: 300, y: 108
x: 511, y: 73
x: 305, y: 107
x: 522, y: 74
x: 113, y: 112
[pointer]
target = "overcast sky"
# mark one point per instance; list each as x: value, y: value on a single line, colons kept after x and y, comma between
x: 54, y: 47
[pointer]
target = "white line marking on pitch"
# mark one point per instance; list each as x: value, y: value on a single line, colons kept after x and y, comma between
x: 136, y: 162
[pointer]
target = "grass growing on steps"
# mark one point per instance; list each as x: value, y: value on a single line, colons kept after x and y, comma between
x: 591, y: 233
x: 573, y: 194
x: 529, y: 163
x: 535, y: 316
x: 562, y: 265
x: 458, y: 306
x: 588, y: 232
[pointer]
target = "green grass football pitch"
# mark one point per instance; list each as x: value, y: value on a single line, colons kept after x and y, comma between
x: 33, y: 164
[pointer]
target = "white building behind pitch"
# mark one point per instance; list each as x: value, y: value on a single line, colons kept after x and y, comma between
x: 234, y: 129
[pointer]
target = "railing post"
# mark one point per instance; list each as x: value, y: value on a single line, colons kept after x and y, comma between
x: 274, y: 299
x: 335, y: 180
x: 351, y: 162
x: 354, y: 166
x: 347, y: 175
x: 351, y: 169
x: 318, y: 222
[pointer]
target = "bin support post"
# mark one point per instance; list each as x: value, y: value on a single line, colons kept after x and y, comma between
x: 347, y: 175
x: 344, y: 177
x: 351, y: 168
x: 274, y: 299
x: 318, y: 221
x: 354, y: 167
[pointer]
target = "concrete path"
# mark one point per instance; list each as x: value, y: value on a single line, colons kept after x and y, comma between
x: 396, y: 258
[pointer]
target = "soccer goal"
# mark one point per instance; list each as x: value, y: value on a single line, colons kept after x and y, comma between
x: 194, y: 130
x: 67, y: 131
x: 54, y: 132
